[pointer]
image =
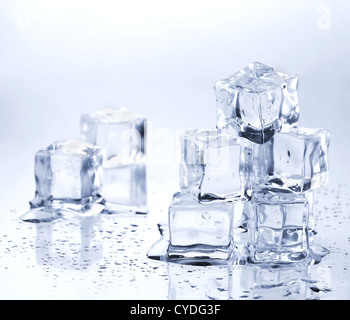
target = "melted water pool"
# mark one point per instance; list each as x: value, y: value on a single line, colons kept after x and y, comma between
x: 105, y: 257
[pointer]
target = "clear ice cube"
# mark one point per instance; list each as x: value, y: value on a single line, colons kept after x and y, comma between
x: 215, y: 165
x: 257, y: 101
x: 278, y: 226
x: 295, y: 159
x: 198, y: 230
x: 67, y: 172
x: 124, y: 187
x: 120, y: 132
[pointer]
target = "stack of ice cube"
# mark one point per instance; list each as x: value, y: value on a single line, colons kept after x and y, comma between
x: 256, y: 155
x: 121, y: 134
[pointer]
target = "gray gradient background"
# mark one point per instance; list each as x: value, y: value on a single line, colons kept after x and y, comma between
x: 59, y: 59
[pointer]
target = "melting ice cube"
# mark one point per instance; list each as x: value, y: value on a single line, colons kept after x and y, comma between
x: 257, y: 101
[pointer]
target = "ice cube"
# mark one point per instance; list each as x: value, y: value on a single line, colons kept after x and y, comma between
x: 278, y: 226
x: 215, y: 165
x: 67, y: 176
x: 257, y: 101
x: 120, y: 132
x: 67, y: 171
x: 295, y: 159
x: 199, y: 230
x: 124, y: 187
x: 311, y: 219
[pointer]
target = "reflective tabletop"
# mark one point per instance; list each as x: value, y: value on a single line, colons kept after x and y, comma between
x: 105, y: 257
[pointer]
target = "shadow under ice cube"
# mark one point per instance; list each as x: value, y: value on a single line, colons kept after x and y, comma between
x: 215, y: 165
x: 295, y: 159
x: 257, y: 101
x: 200, y: 231
x: 278, y: 227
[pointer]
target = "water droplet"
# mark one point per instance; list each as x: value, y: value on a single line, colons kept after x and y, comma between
x: 206, y: 215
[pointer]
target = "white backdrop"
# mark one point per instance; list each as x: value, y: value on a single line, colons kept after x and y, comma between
x: 59, y: 59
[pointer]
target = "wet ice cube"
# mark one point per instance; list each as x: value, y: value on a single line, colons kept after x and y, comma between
x: 311, y: 218
x: 295, y: 159
x: 198, y: 230
x: 120, y: 132
x: 67, y: 171
x: 278, y: 226
x: 215, y: 165
x: 257, y: 101
x: 124, y: 187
